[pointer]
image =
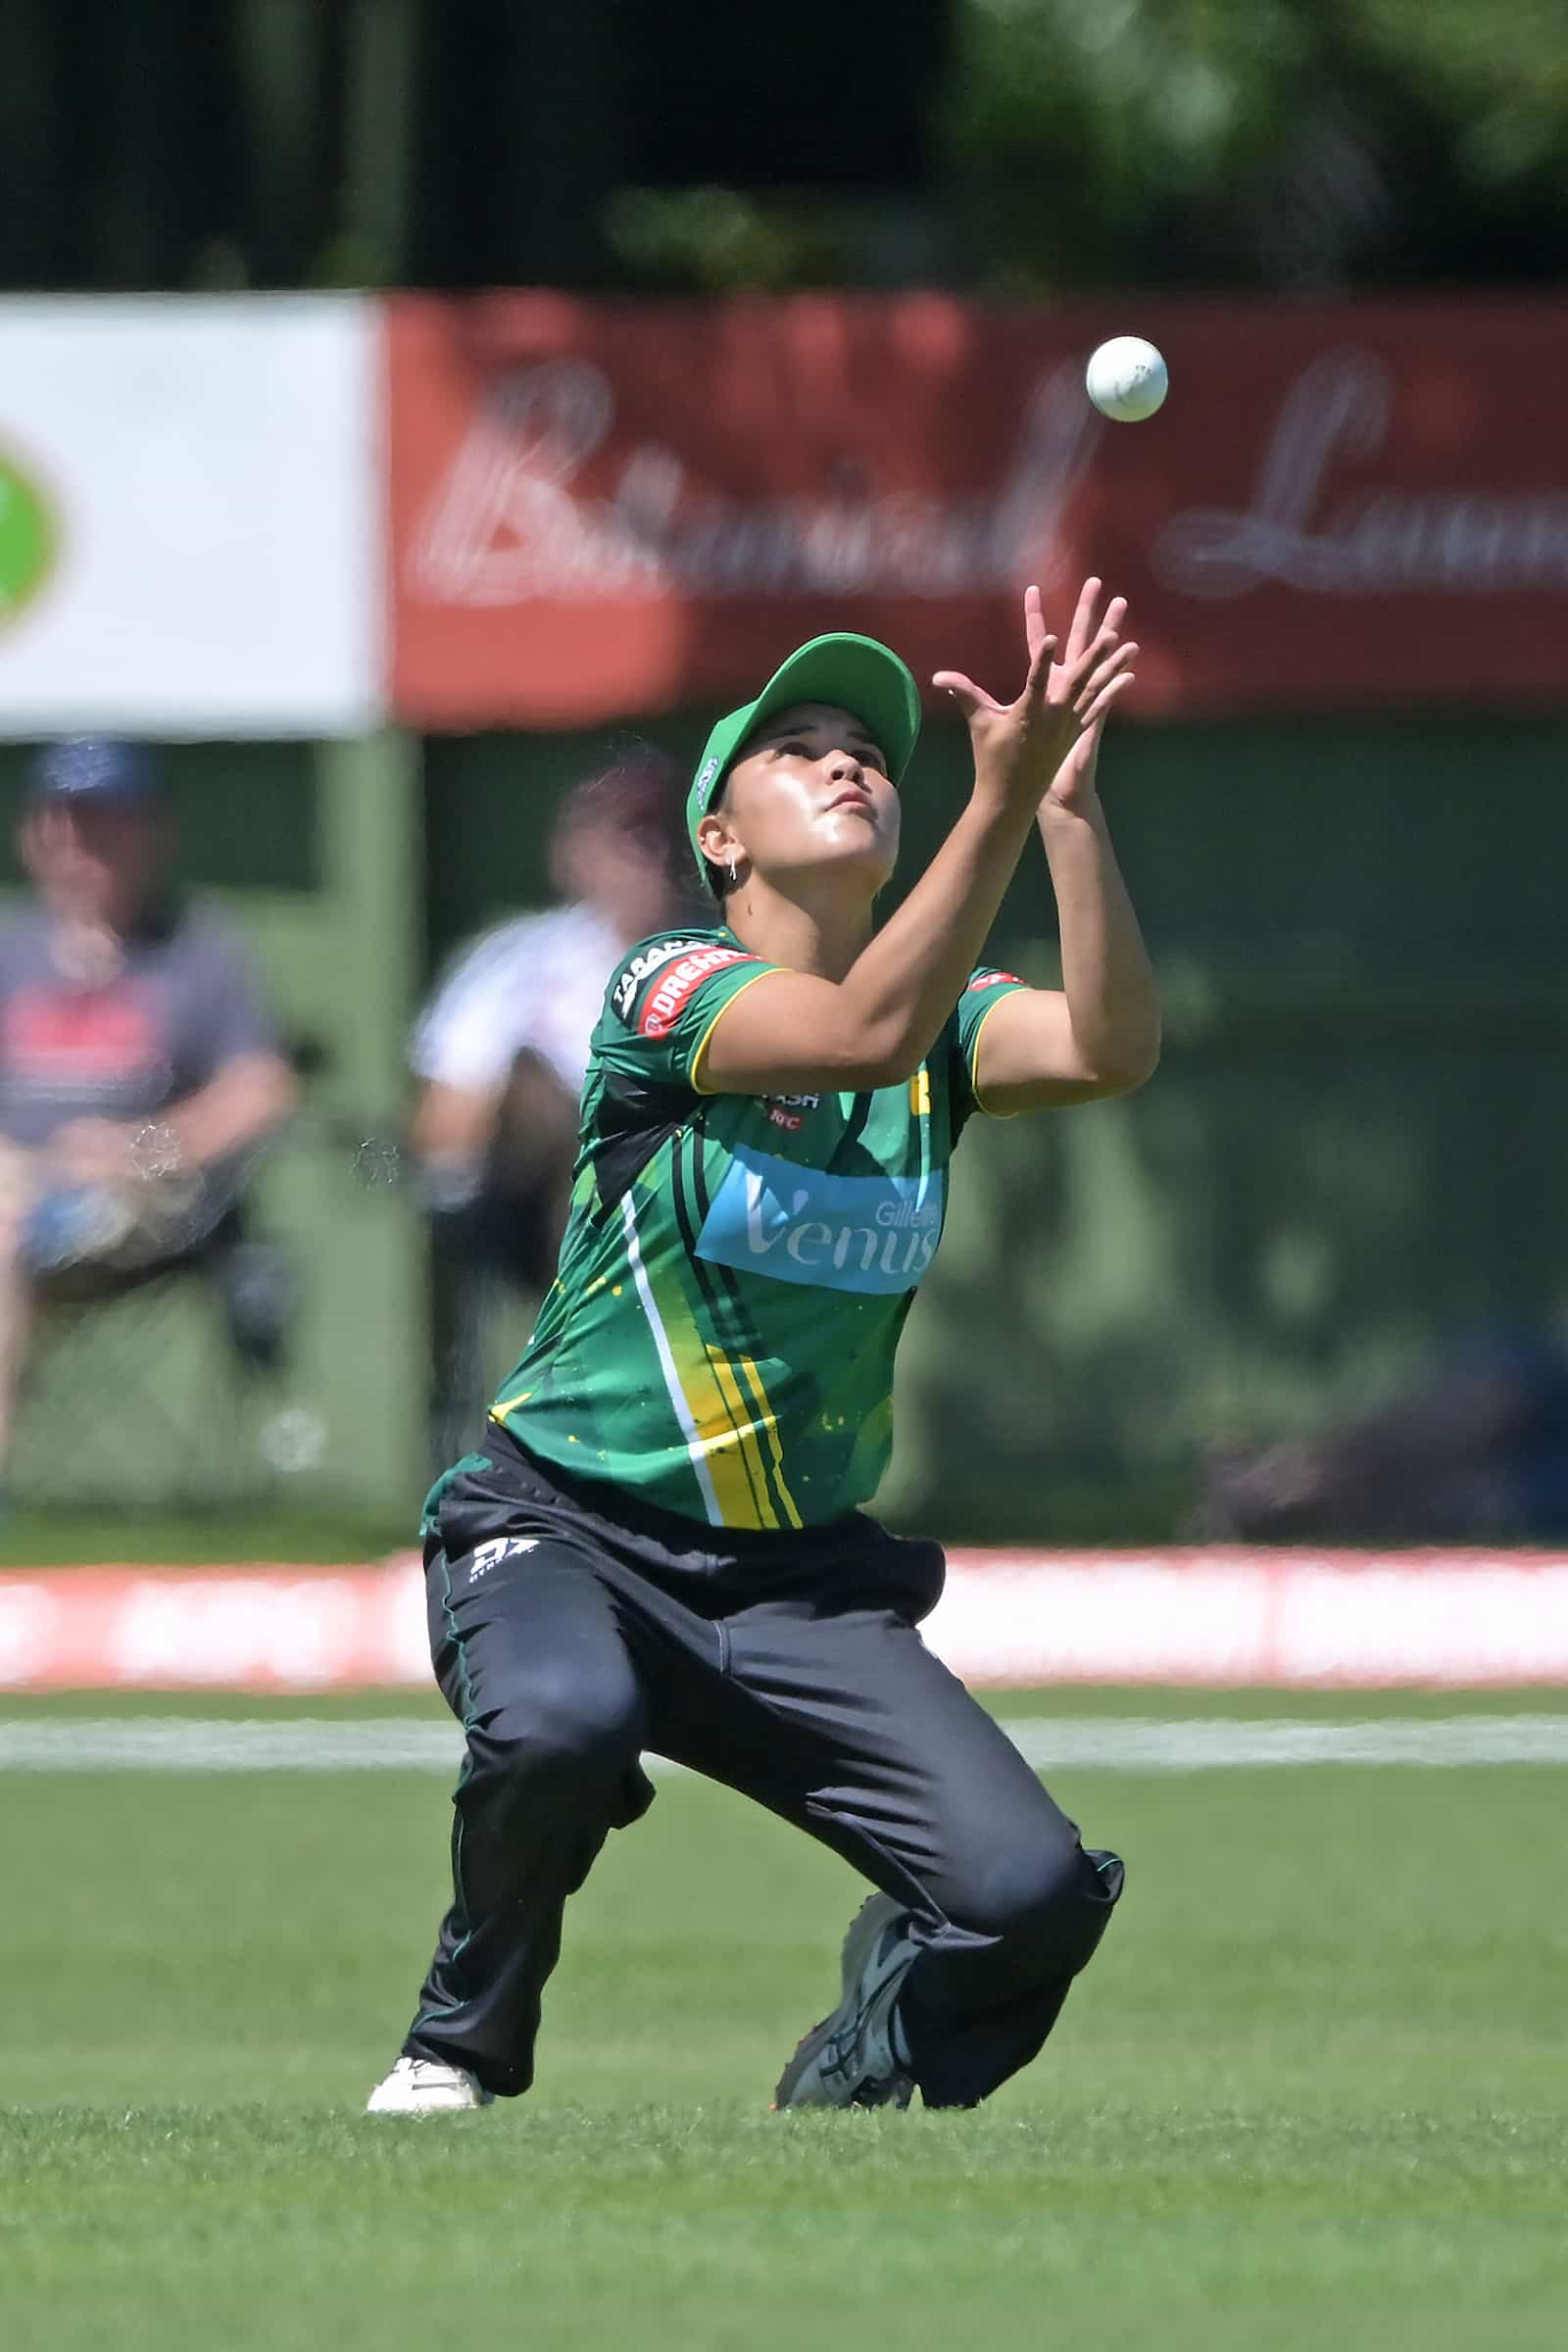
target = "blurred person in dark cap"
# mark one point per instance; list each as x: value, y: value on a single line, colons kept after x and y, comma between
x: 502, y: 1048
x: 137, y: 1064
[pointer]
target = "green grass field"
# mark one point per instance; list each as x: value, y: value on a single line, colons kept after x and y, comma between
x: 1313, y: 2093
x: 57, y: 1539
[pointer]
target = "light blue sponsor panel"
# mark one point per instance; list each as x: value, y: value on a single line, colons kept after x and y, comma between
x: 838, y: 1232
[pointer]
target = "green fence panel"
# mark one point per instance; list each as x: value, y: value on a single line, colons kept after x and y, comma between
x: 314, y: 852
x: 1352, y: 1156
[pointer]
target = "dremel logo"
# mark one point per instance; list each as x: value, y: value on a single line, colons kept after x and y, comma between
x: 837, y: 1233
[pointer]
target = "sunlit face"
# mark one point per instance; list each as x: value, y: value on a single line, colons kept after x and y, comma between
x: 810, y: 794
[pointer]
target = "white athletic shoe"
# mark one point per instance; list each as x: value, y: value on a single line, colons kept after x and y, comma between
x: 857, y: 2058
x: 422, y: 2086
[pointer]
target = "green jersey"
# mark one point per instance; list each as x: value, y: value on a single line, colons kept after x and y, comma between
x: 737, y: 1268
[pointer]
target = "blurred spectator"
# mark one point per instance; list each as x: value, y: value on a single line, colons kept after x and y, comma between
x: 502, y: 1048
x: 138, y: 1065
x: 1477, y: 1453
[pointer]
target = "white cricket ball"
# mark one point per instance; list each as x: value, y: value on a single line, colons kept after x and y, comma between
x: 1126, y: 379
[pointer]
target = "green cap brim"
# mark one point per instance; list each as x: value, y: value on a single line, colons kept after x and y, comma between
x: 855, y: 674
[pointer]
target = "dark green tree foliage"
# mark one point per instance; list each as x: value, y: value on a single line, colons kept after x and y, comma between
x: 1256, y: 142
x: 1031, y: 146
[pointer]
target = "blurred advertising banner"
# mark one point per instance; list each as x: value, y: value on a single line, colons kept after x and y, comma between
x: 1458, y: 1620
x: 601, y: 507
x: 189, y: 516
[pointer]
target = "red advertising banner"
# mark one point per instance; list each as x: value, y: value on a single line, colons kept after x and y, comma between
x: 600, y: 509
x: 1460, y: 1620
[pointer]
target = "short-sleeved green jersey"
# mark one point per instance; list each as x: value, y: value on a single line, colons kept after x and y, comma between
x: 737, y: 1269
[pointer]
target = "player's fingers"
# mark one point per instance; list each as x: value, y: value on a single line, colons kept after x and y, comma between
x: 970, y: 697
x: 1040, y: 660
x: 1087, y: 642
x: 1082, y: 622
x: 1075, y: 675
x: 1103, y: 704
x: 1034, y: 621
x: 1098, y: 679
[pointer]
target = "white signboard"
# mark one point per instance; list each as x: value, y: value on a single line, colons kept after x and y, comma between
x: 189, y: 516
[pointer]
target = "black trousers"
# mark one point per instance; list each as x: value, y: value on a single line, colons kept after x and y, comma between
x: 790, y: 1668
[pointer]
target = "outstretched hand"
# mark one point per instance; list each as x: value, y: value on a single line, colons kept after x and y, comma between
x: 1046, y: 745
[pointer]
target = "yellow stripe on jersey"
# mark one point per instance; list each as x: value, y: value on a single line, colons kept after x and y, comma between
x: 745, y: 1429
x: 770, y: 1422
x: 719, y: 1439
x: 722, y: 1435
x: 974, y: 1060
x: 730, y: 1424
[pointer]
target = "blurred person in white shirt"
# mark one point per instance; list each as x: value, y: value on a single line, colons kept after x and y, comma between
x: 502, y: 1048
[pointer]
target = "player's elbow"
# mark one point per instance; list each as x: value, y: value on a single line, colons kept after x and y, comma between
x: 855, y: 1055
x: 1124, y: 1068
x: 872, y: 1060
x: 859, y: 1075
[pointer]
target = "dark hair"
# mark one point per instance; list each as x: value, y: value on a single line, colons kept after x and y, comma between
x: 640, y: 793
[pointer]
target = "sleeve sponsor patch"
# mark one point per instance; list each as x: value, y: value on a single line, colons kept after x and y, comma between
x: 637, y: 971
x: 681, y: 984
x: 993, y: 980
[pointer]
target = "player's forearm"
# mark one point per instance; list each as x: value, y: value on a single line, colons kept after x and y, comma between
x: 1105, y: 972
x: 904, y: 985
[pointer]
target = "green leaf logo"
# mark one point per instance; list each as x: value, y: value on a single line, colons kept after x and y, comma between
x: 29, y: 539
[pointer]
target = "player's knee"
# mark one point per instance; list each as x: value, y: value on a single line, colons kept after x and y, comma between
x: 562, y: 1728
x: 1041, y: 1896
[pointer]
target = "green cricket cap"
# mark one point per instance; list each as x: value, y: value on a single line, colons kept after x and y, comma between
x: 859, y: 675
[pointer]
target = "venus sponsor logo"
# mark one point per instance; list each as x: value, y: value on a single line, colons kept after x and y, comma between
x: 850, y: 1233
x: 681, y: 982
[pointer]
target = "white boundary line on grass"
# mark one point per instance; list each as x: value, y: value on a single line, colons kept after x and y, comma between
x: 191, y: 1744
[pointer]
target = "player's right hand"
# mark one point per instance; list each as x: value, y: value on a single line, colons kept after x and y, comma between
x: 1019, y: 747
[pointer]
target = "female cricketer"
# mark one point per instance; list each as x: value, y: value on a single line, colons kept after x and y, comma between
x: 660, y: 1544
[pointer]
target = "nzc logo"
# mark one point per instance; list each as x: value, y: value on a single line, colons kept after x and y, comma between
x: 28, y: 539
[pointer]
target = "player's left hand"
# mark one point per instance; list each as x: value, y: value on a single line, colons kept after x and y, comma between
x: 1073, y: 786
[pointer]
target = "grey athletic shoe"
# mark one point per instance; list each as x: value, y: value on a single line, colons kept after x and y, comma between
x: 857, y: 2057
